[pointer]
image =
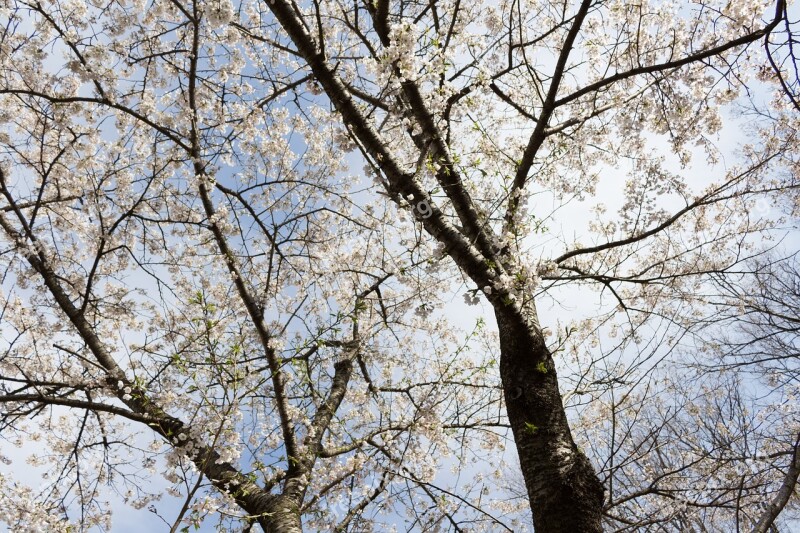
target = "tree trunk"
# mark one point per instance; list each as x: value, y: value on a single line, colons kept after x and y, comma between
x: 278, y: 514
x: 563, y: 488
x: 784, y: 494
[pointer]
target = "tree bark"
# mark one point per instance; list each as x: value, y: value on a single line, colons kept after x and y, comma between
x: 563, y: 488
x: 280, y: 514
x: 274, y: 513
x: 784, y: 494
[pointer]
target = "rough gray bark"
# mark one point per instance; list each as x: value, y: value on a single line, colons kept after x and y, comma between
x: 280, y: 514
x: 564, y: 491
x: 788, y: 487
x: 274, y: 513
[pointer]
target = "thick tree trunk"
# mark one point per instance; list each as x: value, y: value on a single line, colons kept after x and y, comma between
x: 274, y: 513
x: 563, y: 488
x: 278, y: 514
x: 283, y: 517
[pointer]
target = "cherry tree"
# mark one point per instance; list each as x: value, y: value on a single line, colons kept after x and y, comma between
x: 231, y: 235
x: 483, y: 123
x: 209, y: 295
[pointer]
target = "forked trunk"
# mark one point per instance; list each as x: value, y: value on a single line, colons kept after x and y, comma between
x: 563, y: 488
